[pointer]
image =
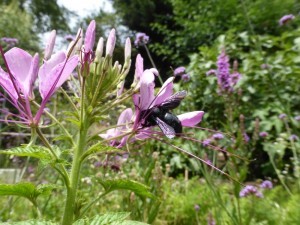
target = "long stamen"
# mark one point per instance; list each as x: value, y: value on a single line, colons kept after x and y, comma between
x: 196, y: 157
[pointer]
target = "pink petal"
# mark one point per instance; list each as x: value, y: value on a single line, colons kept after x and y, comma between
x: 7, y: 85
x: 46, y: 78
x: 19, y: 62
x: 139, y: 67
x: 89, y: 40
x: 165, y: 91
x: 191, y: 119
x: 50, y: 45
x: 146, y: 89
x: 50, y: 77
x: 32, y: 75
x: 125, y: 116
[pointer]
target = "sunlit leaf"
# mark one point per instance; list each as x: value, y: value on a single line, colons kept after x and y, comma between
x: 126, y: 184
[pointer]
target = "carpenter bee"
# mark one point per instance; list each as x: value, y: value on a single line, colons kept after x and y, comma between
x: 160, y: 115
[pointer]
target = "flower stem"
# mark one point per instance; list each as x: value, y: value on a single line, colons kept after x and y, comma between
x: 153, y: 64
x: 68, y: 215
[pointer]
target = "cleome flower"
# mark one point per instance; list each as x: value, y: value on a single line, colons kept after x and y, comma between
x: 152, y: 110
x: 22, y: 70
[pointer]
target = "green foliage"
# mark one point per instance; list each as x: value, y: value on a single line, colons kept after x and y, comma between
x: 15, y: 23
x: 27, y: 190
x: 125, y: 184
x: 109, y: 219
x: 30, y: 222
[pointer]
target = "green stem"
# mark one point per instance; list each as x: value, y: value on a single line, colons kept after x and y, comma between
x: 68, y: 216
x: 86, y: 208
x: 59, y: 123
x: 153, y: 64
x: 278, y: 175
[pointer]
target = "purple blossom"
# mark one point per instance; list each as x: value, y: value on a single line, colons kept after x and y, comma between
x: 294, y: 137
x: 89, y: 42
x: 246, y: 137
x: 196, y: 207
x: 223, y: 74
x: 141, y: 39
x: 218, y: 136
x: 206, y: 142
x: 282, y: 116
x: 179, y: 71
x: 250, y: 190
x: 70, y: 37
x: 297, y: 118
x: 263, y: 134
x: 23, y: 70
x: 285, y: 19
x: 264, y: 66
x: 266, y: 184
x: 185, y: 78
x: 11, y: 42
x: 133, y: 123
x: 211, y: 220
x: 211, y: 72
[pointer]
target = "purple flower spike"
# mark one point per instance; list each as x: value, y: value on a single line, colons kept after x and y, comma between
x: 266, y: 184
x: 285, y: 19
x: 223, y: 74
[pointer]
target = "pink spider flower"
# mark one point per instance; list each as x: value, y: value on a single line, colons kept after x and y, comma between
x: 22, y: 72
x: 146, y: 101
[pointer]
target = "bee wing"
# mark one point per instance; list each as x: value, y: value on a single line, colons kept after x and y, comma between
x: 165, y: 128
x: 173, y: 101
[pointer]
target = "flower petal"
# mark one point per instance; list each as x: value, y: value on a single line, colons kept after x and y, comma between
x: 19, y: 62
x: 191, y: 119
x: 146, y: 89
x: 165, y: 91
x: 50, y: 77
x: 7, y: 85
x: 139, y: 67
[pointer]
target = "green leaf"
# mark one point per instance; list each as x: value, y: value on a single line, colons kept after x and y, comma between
x: 30, y: 222
x: 126, y: 184
x: 105, y: 219
x: 98, y: 148
x: 34, y: 151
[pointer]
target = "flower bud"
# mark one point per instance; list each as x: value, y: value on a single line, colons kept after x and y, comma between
x: 99, y: 49
x: 90, y: 34
x: 50, y: 45
x: 111, y: 42
x: 127, y: 49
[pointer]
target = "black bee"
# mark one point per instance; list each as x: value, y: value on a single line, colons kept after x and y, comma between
x: 160, y: 115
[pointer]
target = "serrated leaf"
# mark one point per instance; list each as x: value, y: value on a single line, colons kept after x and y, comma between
x: 25, y: 189
x: 29, y: 222
x: 98, y: 148
x: 129, y: 222
x: 105, y: 219
x: 126, y: 184
x: 34, y: 151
